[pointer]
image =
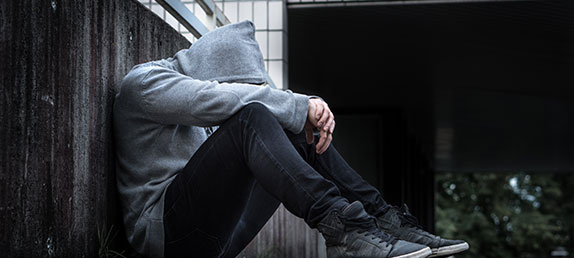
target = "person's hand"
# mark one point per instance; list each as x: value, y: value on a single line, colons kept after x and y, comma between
x: 320, y: 116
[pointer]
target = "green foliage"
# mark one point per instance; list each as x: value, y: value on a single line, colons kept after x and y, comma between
x: 506, y: 215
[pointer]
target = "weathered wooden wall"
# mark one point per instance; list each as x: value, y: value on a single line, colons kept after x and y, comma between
x: 60, y: 63
x: 286, y: 236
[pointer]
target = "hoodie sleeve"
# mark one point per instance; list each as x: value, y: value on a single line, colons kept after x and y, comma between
x: 169, y: 97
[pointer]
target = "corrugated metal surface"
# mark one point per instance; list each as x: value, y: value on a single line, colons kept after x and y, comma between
x: 60, y: 62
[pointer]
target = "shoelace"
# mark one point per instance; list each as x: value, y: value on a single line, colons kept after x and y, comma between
x: 410, y: 220
x: 407, y: 218
x: 369, y: 227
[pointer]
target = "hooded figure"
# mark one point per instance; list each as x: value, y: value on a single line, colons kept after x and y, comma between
x: 163, y: 108
x: 160, y: 118
x: 228, y: 54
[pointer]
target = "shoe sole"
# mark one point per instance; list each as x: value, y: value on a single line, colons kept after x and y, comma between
x: 447, y: 250
x: 425, y: 252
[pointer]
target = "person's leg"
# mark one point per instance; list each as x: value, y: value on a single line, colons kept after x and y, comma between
x: 333, y: 166
x: 206, y: 205
x: 393, y: 220
x: 206, y: 201
x: 259, y: 208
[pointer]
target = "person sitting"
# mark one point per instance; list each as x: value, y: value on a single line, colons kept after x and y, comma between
x: 206, y: 152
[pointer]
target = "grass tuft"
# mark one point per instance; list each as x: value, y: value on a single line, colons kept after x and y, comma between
x: 105, y: 239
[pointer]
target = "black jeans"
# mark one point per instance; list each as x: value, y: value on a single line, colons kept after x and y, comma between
x: 239, y: 176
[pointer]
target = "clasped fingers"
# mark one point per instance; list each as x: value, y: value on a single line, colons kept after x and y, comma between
x: 324, y: 121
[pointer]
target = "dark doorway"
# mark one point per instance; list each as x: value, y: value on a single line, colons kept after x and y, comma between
x: 471, y: 86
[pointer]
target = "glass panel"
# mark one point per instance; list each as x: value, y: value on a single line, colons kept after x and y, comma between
x: 260, y: 15
x: 188, y: 36
x: 158, y: 10
x: 230, y: 10
x: 189, y: 6
x: 275, y: 15
x: 275, y: 45
x: 145, y: 2
x: 171, y: 21
x: 261, y: 37
x: 245, y: 11
x: 276, y: 73
x: 200, y: 14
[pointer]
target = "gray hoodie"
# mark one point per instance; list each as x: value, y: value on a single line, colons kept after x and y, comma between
x: 161, y: 110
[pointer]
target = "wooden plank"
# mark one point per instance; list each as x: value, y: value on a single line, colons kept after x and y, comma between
x: 286, y: 236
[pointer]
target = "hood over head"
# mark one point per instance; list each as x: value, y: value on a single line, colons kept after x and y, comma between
x: 227, y: 54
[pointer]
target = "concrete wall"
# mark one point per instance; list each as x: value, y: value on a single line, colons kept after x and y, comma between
x: 60, y: 64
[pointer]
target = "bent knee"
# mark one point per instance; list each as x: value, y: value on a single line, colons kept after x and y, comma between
x: 256, y: 108
x: 257, y: 111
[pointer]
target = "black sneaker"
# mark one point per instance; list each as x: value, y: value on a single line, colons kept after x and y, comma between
x: 401, y: 224
x: 352, y: 233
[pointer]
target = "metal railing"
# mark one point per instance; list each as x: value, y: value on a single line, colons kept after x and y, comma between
x: 215, y: 18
